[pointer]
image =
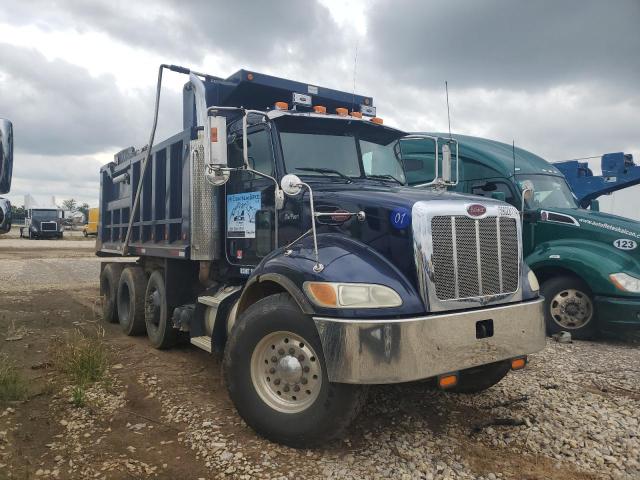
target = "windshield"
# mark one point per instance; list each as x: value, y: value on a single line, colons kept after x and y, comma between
x: 43, y: 215
x: 549, y: 191
x: 341, y: 149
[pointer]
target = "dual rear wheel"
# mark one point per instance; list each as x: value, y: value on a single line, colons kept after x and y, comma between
x: 137, y: 302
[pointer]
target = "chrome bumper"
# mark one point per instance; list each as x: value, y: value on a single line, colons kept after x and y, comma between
x: 393, y: 351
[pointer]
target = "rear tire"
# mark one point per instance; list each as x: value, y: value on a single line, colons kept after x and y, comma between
x: 569, y: 306
x: 160, y: 330
x: 478, y: 379
x: 284, y: 396
x: 109, y: 280
x: 131, y: 290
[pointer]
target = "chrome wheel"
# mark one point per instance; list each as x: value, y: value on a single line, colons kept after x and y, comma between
x: 286, y: 372
x: 571, y: 309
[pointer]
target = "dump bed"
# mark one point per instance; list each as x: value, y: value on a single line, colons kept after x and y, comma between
x: 161, y: 224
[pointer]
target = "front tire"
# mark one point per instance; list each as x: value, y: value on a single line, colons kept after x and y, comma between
x: 160, y: 330
x: 569, y: 306
x: 131, y: 290
x: 479, y: 379
x: 277, y: 378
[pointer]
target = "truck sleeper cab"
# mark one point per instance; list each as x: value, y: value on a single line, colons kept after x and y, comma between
x: 287, y: 238
x: 587, y: 261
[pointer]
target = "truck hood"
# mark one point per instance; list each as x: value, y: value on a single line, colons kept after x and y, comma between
x: 604, y: 226
x: 381, y: 200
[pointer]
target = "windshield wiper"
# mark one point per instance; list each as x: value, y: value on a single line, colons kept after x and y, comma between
x: 324, y: 171
x: 386, y: 177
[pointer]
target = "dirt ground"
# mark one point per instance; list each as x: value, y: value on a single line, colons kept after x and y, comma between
x: 166, y: 414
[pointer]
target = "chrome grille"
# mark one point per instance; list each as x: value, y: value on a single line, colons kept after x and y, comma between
x: 48, y: 226
x: 474, y: 257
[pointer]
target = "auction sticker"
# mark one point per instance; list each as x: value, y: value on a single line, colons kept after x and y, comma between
x: 241, y: 214
x: 625, y: 244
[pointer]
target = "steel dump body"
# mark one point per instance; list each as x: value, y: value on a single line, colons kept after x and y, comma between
x: 162, y: 222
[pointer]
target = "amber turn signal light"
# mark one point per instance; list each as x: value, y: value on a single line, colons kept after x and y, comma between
x: 447, y: 381
x: 323, y: 293
x: 343, y: 112
x: 282, y: 106
x: 518, y: 363
x: 320, y: 109
x: 377, y: 120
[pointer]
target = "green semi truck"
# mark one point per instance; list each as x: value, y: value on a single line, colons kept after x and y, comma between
x: 588, y: 262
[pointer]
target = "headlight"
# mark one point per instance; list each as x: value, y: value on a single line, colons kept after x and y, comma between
x: 625, y: 282
x: 351, y: 295
x: 533, y: 281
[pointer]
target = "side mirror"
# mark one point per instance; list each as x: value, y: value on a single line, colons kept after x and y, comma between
x: 527, y: 197
x: 291, y: 184
x: 594, y: 206
x: 6, y: 155
x: 5, y: 215
x: 446, y: 163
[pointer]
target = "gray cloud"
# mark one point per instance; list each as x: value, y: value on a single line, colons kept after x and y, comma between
x: 505, y: 44
x: 59, y: 108
x: 255, y: 31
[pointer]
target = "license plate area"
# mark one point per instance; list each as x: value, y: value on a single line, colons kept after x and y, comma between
x: 484, y: 329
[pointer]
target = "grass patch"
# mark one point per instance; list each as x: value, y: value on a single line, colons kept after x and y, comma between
x: 84, y: 359
x: 12, y: 385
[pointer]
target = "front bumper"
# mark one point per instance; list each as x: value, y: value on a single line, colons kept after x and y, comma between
x: 617, y: 312
x: 403, y: 350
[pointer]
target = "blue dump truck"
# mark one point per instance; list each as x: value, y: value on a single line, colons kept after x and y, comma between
x: 587, y: 262
x: 6, y: 168
x: 277, y: 228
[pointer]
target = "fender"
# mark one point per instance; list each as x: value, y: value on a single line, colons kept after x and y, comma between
x: 591, y: 261
x: 345, y: 260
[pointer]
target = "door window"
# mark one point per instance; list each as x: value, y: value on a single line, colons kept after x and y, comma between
x: 260, y: 152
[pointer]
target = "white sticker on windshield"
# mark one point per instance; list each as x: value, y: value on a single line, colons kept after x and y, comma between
x: 625, y: 244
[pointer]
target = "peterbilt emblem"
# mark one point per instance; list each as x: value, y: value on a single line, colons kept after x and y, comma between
x: 476, y: 210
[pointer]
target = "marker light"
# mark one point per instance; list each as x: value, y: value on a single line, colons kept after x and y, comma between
x: 351, y: 295
x: 377, y: 120
x: 343, y: 112
x: 320, y: 109
x: 356, y: 114
x: 448, y: 381
x: 625, y: 282
x: 281, y: 106
x: 518, y: 363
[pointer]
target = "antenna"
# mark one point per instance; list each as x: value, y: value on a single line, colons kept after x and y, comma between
x: 513, y: 152
x: 355, y: 64
x: 446, y: 89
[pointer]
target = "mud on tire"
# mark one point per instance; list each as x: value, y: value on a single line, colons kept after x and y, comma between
x: 278, y: 321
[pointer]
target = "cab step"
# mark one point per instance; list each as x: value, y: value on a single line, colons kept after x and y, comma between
x: 203, y: 342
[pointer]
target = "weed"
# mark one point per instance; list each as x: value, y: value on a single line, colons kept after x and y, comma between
x: 12, y: 385
x: 83, y: 358
x: 78, y: 397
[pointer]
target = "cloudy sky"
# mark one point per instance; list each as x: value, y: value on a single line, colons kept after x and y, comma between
x: 77, y: 78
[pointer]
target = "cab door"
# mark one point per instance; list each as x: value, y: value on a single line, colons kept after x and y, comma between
x: 250, y: 201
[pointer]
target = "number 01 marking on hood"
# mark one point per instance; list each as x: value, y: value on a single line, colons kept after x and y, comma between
x: 625, y: 244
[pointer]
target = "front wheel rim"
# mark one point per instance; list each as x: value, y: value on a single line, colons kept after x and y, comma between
x: 571, y: 309
x: 286, y: 372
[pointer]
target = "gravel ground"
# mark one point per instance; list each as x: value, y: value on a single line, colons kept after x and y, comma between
x: 574, y: 410
x: 572, y: 414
